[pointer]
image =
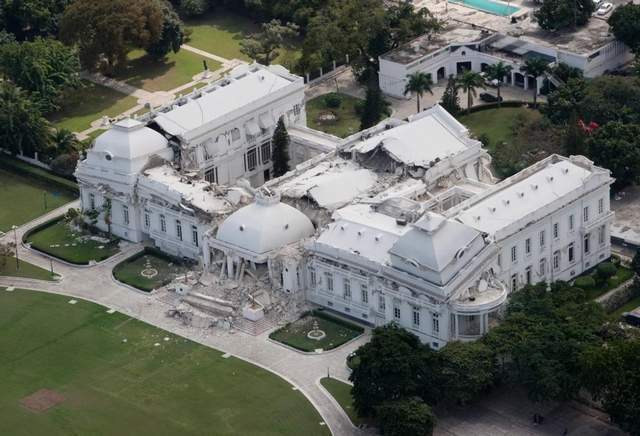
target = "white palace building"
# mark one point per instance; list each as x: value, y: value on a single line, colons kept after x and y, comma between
x: 403, y: 222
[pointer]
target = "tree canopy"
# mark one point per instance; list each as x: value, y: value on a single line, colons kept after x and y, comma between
x: 616, y: 146
x: 43, y: 67
x: 625, y: 25
x: 410, y: 416
x: 563, y: 14
x: 171, y: 36
x: 27, y: 19
x: 418, y: 83
x: 263, y: 47
x: 106, y: 30
x: 280, y: 144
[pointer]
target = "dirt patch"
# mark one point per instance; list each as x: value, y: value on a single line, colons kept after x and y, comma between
x: 42, y: 400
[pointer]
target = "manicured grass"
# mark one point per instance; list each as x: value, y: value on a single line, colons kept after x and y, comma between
x: 144, y: 72
x: 342, y: 393
x: 59, y: 240
x: 23, y: 168
x: 622, y: 275
x: 120, y: 376
x: 22, y: 197
x: 348, y: 121
x: 25, y: 270
x: 221, y: 32
x: 89, y: 103
x: 129, y: 271
x: 87, y: 143
x: 337, y: 332
x: 497, y: 124
x: 627, y: 307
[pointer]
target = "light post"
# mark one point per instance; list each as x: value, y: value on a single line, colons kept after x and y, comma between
x: 15, y: 238
x: 44, y: 194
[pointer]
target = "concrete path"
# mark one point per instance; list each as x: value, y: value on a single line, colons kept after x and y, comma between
x: 96, y: 284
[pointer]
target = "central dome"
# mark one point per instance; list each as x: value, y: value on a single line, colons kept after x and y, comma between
x: 265, y: 225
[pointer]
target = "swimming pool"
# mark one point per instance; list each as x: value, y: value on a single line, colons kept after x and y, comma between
x: 489, y: 6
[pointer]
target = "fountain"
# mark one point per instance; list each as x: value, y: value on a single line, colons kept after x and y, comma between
x: 316, y: 334
x: 148, y: 272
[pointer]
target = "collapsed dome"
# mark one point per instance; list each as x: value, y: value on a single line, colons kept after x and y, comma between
x: 265, y: 225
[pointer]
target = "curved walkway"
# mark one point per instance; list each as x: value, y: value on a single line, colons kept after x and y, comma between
x: 96, y: 284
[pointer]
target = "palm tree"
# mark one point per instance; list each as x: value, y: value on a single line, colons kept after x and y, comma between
x: 419, y: 83
x: 469, y: 81
x: 535, y: 67
x: 497, y: 72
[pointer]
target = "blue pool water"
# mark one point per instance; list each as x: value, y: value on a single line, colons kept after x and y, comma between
x: 492, y: 7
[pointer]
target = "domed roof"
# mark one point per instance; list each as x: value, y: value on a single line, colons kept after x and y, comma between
x: 130, y: 139
x: 265, y: 225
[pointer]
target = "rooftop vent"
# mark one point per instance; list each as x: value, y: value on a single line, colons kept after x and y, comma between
x: 506, y: 202
x: 492, y: 209
x: 476, y: 218
x: 534, y: 187
x: 401, y: 221
x: 549, y: 179
x: 520, y: 194
x: 565, y: 170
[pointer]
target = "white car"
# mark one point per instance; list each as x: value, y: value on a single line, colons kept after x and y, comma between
x: 604, y: 9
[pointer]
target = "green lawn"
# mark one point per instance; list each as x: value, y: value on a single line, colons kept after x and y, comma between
x: 22, y: 198
x: 87, y: 143
x: 129, y: 270
x: 497, y: 124
x: 220, y: 34
x: 337, y: 332
x: 347, y: 122
x: 89, y: 103
x: 25, y: 269
x: 59, y: 240
x: 144, y: 72
x: 120, y: 376
x: 342, y: 393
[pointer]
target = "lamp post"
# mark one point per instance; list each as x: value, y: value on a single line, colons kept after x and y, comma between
x: 15, y: 238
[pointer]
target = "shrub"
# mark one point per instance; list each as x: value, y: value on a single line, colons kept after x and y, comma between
x: 486, y: 141
x: 584, y: 282
x: 65, y: 164
x: 358, y: 107
x: 406, y: 417
x: 193, y: 8
x: 605, y: 270
x: 332, y: 101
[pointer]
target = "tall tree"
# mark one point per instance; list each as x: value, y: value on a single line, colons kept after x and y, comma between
x: 375, y: 107
x: 418, y: 83
x: 535, y: 67
x: 498, y: 72
x: 469, y: 82
x: 172, y: 34
x: 27, y: 19
x: 22, y: 127
x: 280, y: 143
x: 404, y: 417
x: 193, y: 8
x: 615, y: 146
x: 625, y: 25
x: 263, y: 47
x: 450, y: 99
x: 106, y: 30
x: 564, y: 14
x: 468, y: 369
x: 564, y: 102
x: 44, y: 67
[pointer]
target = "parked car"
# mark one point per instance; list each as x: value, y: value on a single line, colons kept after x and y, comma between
x: 597, y: 4
x: 489, y: 98
x: 604, y: 9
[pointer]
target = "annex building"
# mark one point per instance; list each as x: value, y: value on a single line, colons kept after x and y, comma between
x: 403, y: 222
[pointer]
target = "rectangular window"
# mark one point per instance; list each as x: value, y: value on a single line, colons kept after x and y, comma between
x: 147, y: 220
x: 194, y: 235
x: 329, y: 278
x: 163, y: 224
x: 499, y: 259
x: 556, y: 230
x: 571, y: 253
x: 396, y: 312
x: 416, y: 317
x: 514, y: 254
x: 382, y: 304
x: 542, y: 239
x: 125, y: 214
x: 179, y: 229
x: 601, y: 234
x: 92, y: 201
x: 527, y: 246
x: 556, y: 259
x: 585, y: 214
x: 514, y: 283
x: 435, y: 323
x: 251, y: 159
x: 265, y: 152
x: 346, y: 288
x: 312, y: 278
x: 543, y: 267
x: 601, y: 206
x: 571, y: 223
x: 364, y: 294
x: 587, y: 239
x: 211, y: 175
x: 527, y: 275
